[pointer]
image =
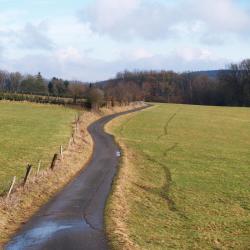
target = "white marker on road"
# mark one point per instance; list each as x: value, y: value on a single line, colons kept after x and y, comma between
x: 118, y: 153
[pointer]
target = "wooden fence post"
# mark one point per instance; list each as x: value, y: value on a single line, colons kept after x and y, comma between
x: 61, y: 152
x: 75, y: 118
x: 28, y: 171
x: 77, y: 121
x: 11, y: 187
x: 53, y: 161
x: 38, y: 168
x: 70, y: 141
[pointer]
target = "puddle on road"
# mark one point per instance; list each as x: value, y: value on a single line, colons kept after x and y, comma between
x: 40, y: 234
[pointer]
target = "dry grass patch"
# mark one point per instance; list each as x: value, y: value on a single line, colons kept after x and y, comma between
x: 117, y: 209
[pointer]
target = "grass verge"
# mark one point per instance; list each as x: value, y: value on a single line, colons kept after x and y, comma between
x: 183, y: 181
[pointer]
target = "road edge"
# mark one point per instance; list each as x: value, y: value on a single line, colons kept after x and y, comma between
x: 116, y: 207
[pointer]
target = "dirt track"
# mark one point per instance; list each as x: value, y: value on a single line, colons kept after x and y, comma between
x: 73, y: 219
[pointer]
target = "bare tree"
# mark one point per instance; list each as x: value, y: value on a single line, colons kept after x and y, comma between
x: 3, y: 77
x: 95, y: 97
x: 77, y: 90
x: 15, y: 79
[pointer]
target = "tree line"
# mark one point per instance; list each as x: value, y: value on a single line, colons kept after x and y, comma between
x: 18, y: 87
x: 29, y: 84
x: 231, y: 87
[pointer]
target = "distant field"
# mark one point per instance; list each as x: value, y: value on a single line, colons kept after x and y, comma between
x: 29, y: 133
x: 187, y: 184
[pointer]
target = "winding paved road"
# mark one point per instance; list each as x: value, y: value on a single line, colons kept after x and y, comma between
x: 73, y: 219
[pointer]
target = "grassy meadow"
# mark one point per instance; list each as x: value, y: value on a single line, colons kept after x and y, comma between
x: 186, y: 183
x: 29, y: 133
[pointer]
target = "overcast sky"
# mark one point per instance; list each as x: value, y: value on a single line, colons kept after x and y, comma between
x: 91, y: 40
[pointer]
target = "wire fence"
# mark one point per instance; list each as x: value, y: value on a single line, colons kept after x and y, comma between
x: 8, y: 186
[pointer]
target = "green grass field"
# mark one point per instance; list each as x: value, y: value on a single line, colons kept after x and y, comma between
x: 191, y: 177
x: 29, y: 133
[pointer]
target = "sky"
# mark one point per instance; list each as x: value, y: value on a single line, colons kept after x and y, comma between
x: 91, y: 40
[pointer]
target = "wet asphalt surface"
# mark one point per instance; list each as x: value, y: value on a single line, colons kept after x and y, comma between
x: 74, y: 218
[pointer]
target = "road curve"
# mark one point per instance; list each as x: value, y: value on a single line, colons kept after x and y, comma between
x: 74, y: 218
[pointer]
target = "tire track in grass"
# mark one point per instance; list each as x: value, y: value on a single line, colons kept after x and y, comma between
x: 164, y: 190
x: 166, y: 127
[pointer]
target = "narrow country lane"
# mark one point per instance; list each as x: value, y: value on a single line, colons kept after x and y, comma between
x: 73, y: 219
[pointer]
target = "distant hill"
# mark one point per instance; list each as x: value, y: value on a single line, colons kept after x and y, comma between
x: 209, y: 73
x: 105, y: 82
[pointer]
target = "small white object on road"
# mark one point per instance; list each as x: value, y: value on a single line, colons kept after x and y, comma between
x: 118, y: 153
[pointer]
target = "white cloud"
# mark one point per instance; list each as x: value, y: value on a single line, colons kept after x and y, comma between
x: 221, y: 15
x: 35, y: 37
x: 69, y: 54
x: 1, y: 51
x: 181, y: 59
x: 17, y: 34
x: 114, y: 35
x: 152, y: 20
x: 134, y: 54
x: 129, y: 18
x: 192, y: 54
x: 68, y: 29
x: 72, y: 64
x: 109, y: 13
x: 142, y: 53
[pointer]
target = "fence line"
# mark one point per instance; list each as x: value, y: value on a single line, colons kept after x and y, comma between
x: 53, y: 163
